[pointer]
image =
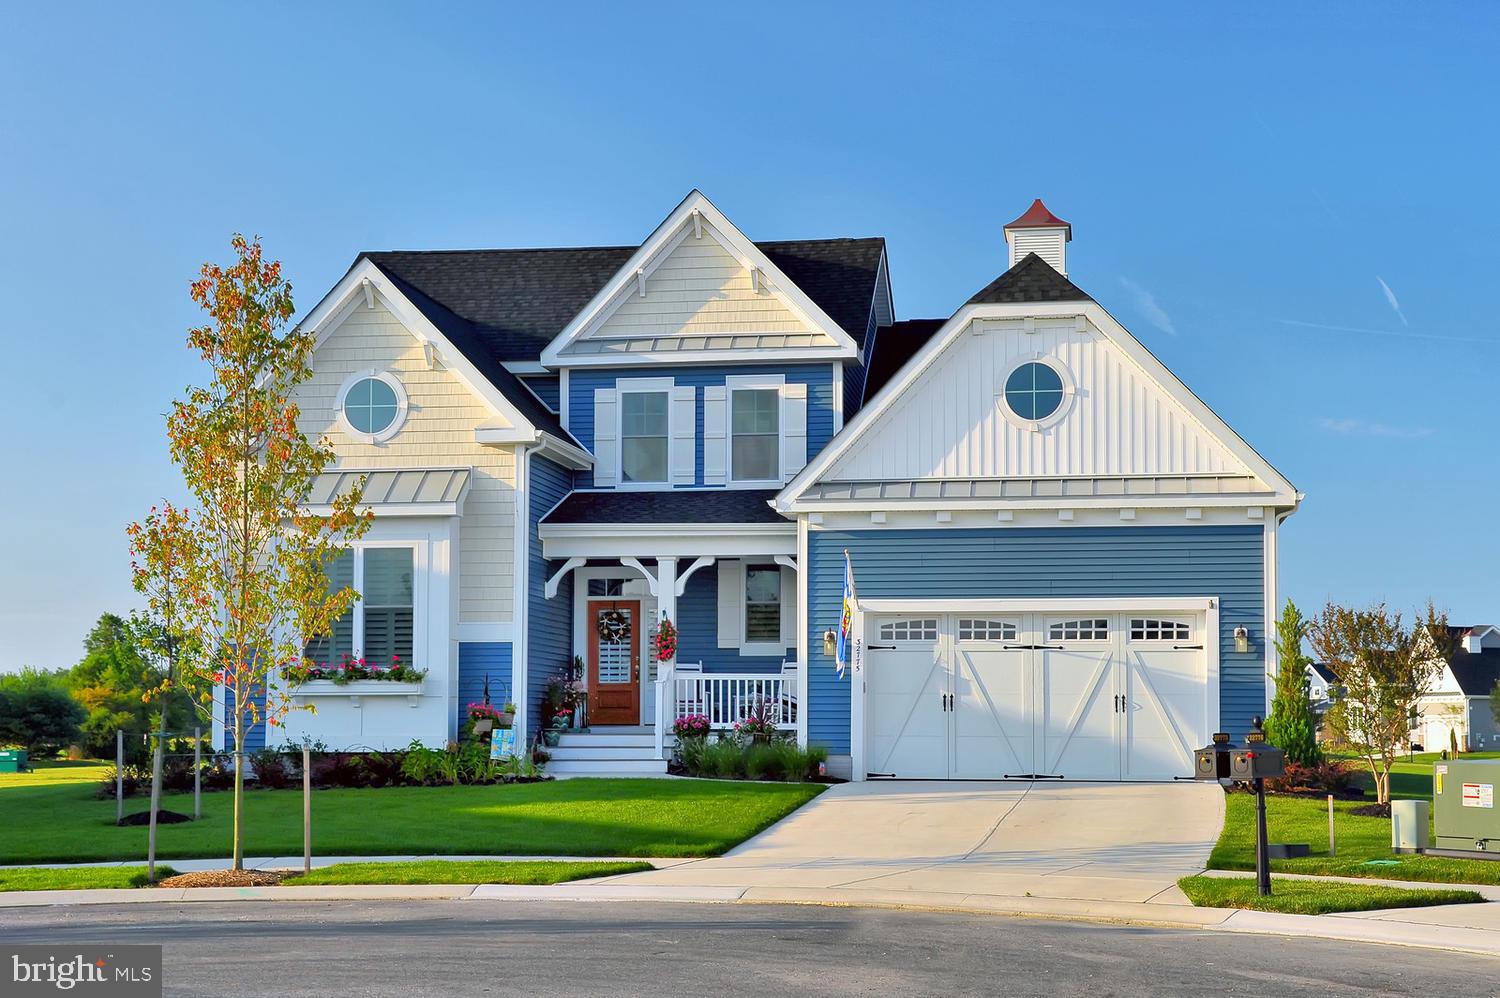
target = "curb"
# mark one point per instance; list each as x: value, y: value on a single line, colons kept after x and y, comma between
x: 1348, y: 929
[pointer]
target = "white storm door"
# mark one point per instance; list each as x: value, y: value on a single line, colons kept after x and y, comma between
x: 1165, y: 712
x: 905, y: 702
x: 1077, y: 696
x: 992, y: 697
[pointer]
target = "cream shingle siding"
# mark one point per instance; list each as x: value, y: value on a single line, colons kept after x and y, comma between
x: 701, y: 288
x: 438, y: 433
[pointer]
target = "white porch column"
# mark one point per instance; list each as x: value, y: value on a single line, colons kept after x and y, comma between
x: 666, y: 680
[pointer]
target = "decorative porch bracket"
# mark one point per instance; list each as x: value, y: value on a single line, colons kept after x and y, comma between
x: 682, y: 580
x: 651, y: 579
x: 562, y: 573
x: 787, y: 560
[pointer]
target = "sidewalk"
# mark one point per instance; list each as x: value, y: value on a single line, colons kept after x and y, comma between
x: 318, y: 862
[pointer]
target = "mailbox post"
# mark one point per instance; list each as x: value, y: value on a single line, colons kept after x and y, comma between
x: 1250, y: 763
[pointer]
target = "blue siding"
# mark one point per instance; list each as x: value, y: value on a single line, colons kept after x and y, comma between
x: 1227, y: 562
x: 698, y: 630
x: 478, y: 660
x: 818, y: 377
x: 255, y: 734
x: 546, y: 387
x: 549, y: 622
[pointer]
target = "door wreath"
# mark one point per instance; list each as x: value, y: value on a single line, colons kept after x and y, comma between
x: 614, y: 626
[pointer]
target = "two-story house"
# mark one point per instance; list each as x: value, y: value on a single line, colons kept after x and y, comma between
x: 1064, y: 560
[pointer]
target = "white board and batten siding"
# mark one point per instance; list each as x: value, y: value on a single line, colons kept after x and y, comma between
x: 699, y: 289
x: 949, y: 422
x: 438, y: 432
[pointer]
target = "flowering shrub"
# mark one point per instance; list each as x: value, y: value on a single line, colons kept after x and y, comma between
x: 664, y: 641
x: 350, y: 669
x: 757, y: 722
x: 1324, y: 778
x: 691, y: 726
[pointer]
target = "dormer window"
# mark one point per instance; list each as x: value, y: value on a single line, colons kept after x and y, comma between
x: 755, y: 435
x: 643, y: 436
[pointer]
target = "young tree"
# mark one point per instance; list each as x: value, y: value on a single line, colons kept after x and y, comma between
x: 245, y: 564
x: 1384, y: 669
x: 1291, y: 726
x: 113, y: 682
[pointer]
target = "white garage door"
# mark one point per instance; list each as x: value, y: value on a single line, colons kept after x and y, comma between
x: 1083, y: 696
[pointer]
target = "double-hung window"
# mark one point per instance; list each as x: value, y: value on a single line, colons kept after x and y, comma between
x: 755, y: 435
x: 763, y: 604
x: 379, y: 626
x: 643, y: 436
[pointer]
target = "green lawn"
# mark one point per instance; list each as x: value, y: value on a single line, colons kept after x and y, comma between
x: 1409, y: 779
x: 1298, y: 819
x: 470, y: 872
x: 51, y: 816
x: 76, y: 879
x: 1311, y: 897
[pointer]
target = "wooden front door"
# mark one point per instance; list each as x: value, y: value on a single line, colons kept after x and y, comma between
x: 614, y: 661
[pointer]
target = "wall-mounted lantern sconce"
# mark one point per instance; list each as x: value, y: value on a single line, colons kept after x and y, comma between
x: 1241, y: 640
x: 830, y: 643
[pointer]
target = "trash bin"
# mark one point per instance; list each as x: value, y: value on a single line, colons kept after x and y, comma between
x: 1408, y: 825
x: 12, y: 760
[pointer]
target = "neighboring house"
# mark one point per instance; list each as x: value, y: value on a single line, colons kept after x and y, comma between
x: 1322, y: 685
x: 1459, y: 704
x: 1065, y: 561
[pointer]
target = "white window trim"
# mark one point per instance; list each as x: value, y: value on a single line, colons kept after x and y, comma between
x: 748, y: 647
x: 752, y: 382
x: 403, y: 406
x: 642, y: 386
x: 418, y: 597
x: 1069, y: 390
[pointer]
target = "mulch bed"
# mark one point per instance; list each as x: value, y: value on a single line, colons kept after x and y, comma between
x: 226, y: 878
x: 163, y: 817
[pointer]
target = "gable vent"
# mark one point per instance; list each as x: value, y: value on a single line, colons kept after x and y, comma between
x: 1041, y: 232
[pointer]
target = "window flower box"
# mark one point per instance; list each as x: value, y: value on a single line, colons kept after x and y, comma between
x: 357, y: 689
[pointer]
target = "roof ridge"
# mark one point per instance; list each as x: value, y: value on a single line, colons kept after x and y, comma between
x: 622, y: 247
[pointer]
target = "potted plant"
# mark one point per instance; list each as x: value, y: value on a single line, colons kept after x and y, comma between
x: 690, y: 726
x: 561, y: 721
x: 507, y: 716
x: 757, y: 725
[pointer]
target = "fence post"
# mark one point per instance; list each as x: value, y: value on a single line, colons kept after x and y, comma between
x: 119, y: 775
x: 1332, y: 844
x: 306, y: 809
x: 197, y: 773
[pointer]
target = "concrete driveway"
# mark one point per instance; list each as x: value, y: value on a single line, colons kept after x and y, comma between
x: 1078, y: 841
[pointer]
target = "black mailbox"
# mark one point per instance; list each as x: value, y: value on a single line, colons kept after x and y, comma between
x: 1255, y: 760
x: 1212, y: 762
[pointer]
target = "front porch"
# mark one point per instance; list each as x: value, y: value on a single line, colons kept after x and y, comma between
x: 728, y: 590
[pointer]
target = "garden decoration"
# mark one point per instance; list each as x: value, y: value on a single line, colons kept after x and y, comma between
x: 614, y: 626
x: 664, y: 642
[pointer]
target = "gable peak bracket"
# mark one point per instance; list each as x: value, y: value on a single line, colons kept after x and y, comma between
x: 697, y: 224
x: 369, y: 290
x: 640, y: 282
x: 756, y: 284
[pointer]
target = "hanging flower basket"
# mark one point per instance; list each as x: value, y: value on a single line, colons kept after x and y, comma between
x: 664, y: 641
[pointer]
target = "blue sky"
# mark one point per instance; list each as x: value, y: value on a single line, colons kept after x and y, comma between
x: 1293, y: 207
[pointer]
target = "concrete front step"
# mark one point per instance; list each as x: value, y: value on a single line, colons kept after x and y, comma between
x: 607, y: 767
x: 572, y: 739
x: 592, y: 750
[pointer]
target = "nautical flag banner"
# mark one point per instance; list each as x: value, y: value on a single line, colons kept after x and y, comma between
x: 846, y: 618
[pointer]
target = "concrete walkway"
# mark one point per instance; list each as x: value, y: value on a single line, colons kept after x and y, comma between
x: 318, y: 862
x: 1072, y: 841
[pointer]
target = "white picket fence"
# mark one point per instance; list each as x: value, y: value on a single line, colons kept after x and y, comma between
x: 726, y: 698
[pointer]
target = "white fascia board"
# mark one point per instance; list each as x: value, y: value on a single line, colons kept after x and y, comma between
x: 666, y: 235
x: 1217, y: 501
x: 524, y: 367
x: 1043, y: 604
x: 746, y: 355
x: 334, y: 304
x: 584, y: 540
x: 1286, y: 496
x: 563, y: 451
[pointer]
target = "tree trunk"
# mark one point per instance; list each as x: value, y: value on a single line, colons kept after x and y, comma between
x: 156, y: 756
x: 239, y: 790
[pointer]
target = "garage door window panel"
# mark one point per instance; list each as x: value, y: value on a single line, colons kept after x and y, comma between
x: 1158, y: 629
x: 914, y: 629
x: 1084, y: 629
x: 979, y: 629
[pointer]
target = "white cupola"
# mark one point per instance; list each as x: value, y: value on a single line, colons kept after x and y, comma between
x: 1041, y: 232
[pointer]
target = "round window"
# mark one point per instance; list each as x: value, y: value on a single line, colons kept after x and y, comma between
x: 371, y: 406
x: 1034, y: 391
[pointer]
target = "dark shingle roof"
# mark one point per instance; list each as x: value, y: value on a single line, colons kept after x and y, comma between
x: 1031, y: 280
x: 894, y: 346
x: 1476, y: 672
x: 518, y: 300
x: 1324, y: 671
x: 676, y: 506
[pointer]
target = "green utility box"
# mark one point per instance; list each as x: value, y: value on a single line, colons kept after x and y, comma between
x: 1463, y: 802
x: 12, y: 760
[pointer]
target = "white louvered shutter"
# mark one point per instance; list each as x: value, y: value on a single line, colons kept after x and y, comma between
x: 731, y: 604
x: 606, y: 436
x: 684, y: 435
x: 793, y: 429
x: 788, y: 607
x: 715, y: 435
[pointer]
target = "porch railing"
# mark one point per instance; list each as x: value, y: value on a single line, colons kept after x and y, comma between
x: 726, y: 698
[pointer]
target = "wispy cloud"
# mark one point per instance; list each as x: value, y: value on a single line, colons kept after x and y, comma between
x: 1361, y: 428
x: 1390, y: 297
x: 1148, y: 306
x: 1398, y: 333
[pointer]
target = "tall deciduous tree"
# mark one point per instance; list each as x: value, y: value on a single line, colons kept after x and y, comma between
x: 1383, y: 668
x: 241, y: 571
x: 1291, y: 725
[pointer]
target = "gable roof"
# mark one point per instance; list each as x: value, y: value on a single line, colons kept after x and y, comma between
x: 894, y: 346
x: 1031, y: 280
x: 1476, y: 672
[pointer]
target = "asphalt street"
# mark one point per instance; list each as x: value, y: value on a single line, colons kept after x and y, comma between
x: 288, y: 950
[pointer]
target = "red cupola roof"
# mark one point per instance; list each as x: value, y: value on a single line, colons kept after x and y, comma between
x: 1039, y: 217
